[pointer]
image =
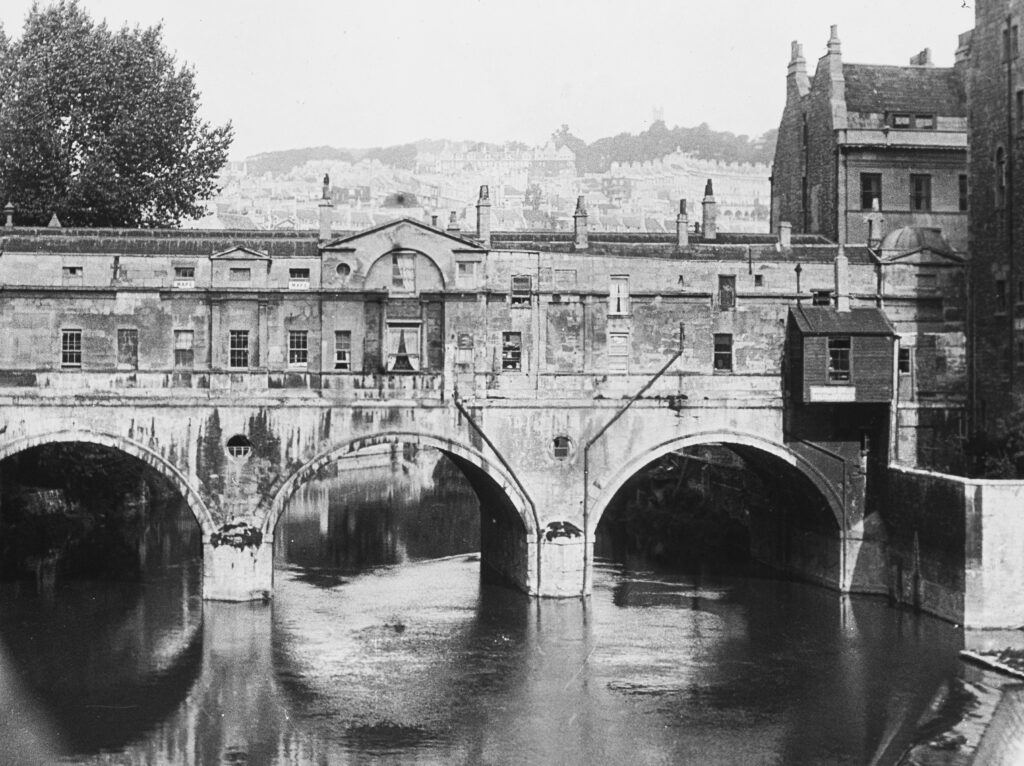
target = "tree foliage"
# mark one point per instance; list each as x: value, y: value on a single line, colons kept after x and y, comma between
x: 101, y: 127
x: 658, y: 141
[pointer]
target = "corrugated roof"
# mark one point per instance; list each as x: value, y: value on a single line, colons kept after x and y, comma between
x: 825, y: 320
x: 879, y: 88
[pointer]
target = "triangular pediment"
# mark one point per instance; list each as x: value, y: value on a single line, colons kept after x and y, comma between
x: 403, y: 233
x: 240, y: 254
x: 922, y: 256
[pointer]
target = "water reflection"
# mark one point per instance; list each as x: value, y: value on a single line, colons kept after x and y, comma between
x: 376, y: 651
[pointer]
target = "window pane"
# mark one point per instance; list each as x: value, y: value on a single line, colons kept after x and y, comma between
x: 238, y: 349
x: 839, y: 359
x: 920, y: 192
x: 71, y: 348
x: 403, y: 348
x: 727, y: 292
x: 128, y: 347
x: 298, y: 348
x: 511, y: 351
x: 618, y: 298
x: 904, y: 361
x: 870, y: 191
x: 183, y: 348
x: 343, y: 350
x: 403, y: 272
x: 723, y: 352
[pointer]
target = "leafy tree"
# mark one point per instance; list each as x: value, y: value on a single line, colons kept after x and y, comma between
x: 101, y: 127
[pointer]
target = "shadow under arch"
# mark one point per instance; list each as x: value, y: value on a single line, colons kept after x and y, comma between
x: 491, y: 481
x: 727, y: 438
x: 127, y: 446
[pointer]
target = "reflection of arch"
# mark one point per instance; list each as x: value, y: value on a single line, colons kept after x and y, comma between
x: 492, y: 470
x: 727, y: 438
x: 145, y: 454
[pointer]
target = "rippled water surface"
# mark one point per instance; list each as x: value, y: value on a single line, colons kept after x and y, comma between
x: 376, y: 653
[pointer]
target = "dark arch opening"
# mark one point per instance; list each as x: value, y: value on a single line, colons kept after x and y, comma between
x: 723, y: 509
x: 100, y: 564
x: 398, y: 502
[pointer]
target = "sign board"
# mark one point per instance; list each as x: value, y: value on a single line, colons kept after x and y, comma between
x: 833, y: 394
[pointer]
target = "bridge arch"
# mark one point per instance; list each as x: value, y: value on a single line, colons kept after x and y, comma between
x: 518, y: 498
x: 726, y: 437
x: 515, y: 559
x: 129, y: 447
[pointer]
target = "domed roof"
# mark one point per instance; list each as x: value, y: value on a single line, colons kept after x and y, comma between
x: 909, y: 239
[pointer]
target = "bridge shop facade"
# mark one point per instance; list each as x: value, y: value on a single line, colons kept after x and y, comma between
x: 549, y: 367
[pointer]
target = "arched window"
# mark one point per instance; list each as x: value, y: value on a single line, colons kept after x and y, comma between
x: 1000, y: 177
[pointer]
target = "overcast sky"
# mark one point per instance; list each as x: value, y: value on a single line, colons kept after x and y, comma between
x: 358, y: 74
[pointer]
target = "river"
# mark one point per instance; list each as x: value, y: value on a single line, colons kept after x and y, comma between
x: 382, y: 645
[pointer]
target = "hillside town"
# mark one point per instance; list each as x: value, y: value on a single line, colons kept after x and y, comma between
x: 530, y: 189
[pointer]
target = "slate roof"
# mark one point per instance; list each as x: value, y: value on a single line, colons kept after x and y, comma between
x: 878, y: 88
x: 825, y: 320
x: 202, y: 243
x: 726, y: 247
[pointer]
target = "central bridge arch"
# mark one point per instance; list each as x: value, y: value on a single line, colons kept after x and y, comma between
x: 512, y: 549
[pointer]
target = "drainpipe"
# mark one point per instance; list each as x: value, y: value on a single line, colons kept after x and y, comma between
x: 586, y: 454
x: 501, y: 459
x: 1010, y: 159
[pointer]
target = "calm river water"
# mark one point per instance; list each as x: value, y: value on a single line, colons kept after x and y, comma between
x: 383, y: 646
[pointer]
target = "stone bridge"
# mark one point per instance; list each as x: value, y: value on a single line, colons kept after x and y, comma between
x: 550, y: 367
x: 543, y: 468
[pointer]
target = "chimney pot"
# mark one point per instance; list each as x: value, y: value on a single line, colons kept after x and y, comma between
x: 842, y: 271
x: 579, y: 221
x: 785, y: 234
x: 834, y: 46
x: 325, y: 211
x: 710, y: 210
x: 483, y: 216
x: 682, y: 226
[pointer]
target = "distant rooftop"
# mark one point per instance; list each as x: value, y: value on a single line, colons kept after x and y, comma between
x: 878, y: 88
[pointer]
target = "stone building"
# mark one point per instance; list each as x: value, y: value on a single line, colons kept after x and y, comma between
x: 996, y: 91
x: 864, y: 149
x: 503, y: 314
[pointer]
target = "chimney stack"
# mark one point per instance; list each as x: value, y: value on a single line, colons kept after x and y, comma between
x: 842, y: 281
x: 924, y: 58
x: 710, y: 226
x: 682, y: 226
x: 796, y: 72
x: 835, y: 48
x: 785, y: 234
x: 453, y: 225
x: 483, y: 217
x: 325, y: 208
x: 433, y: 221
x: 9, y: 214
x: 579, y: 224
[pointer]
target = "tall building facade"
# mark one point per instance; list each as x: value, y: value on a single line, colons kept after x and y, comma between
x: 996, y: 90
x: 864, y: 148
